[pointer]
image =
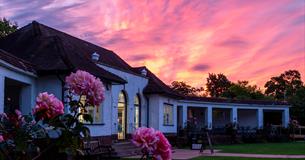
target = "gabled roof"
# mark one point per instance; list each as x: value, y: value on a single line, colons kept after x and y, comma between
x: 16, y: 62
x: 156, y: 86
x: 53, y: 51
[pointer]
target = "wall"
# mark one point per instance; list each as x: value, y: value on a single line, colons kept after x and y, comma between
x: 27, y: 99
x: 247, y: 118
x: 135, y: 85
x: 156, y: 110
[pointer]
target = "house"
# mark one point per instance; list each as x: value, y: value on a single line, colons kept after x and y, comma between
x: 36, y: 58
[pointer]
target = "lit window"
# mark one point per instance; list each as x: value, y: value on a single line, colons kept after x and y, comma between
x: 168, y: 114
x: 94, y: 111
x: 137, y: 111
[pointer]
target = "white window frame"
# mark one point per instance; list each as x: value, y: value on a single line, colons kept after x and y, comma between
x: 168, y: 121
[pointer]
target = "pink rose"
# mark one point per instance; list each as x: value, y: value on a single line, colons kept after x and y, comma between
x: 1, y: 139
x: 163, y: 147
x: 152, y: 142
x: 145, y: 138
x: 48, y: 106
x: 83, y: 83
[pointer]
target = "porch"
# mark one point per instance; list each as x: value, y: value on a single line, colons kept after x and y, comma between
x: 243, y: 116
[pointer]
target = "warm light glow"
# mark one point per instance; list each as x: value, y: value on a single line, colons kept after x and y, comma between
x: 183, y: 40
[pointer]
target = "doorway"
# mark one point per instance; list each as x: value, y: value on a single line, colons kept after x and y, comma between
x: 122, y: 105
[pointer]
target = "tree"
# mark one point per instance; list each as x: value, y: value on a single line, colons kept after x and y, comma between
x: 285, y: 85
x: 298, y: 105
x: 217, y: 84
x: 185, y: 89
x: 7, y: 27
x: 243, y: 90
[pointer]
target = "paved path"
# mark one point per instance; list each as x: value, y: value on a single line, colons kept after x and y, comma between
x: 180, y: 154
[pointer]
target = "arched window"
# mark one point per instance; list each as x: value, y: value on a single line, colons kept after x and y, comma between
x: 137, y: 111
x: 122, y: 115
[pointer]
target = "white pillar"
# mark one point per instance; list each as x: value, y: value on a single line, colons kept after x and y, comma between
x: 234, y: 115
x: 285, y: 117
x: 184, y: 115
x: 210, y: 117
x: 2, y: 87
x: 260, y: 118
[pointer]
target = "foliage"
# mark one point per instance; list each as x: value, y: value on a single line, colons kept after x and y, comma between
x: 185, y: 89
x: 297, y: 101
x: 7, y: 27
x: 289, y: 86
x: 243, y: 90
x: 49, y: 132
x: 217, y: 84
x: 285, y: 85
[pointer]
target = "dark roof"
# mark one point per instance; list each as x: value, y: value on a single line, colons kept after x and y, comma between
x: 156, y: 86
x: 226, y: 100
x: 17, y: 62
x: 53, y: 51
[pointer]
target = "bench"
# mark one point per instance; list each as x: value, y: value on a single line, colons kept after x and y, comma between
x: 94, y: 149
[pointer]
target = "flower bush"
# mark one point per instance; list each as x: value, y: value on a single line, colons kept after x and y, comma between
x: 48, y: 131
x: 47, y: 106
x: 83, y: 83
x: 152, y: 143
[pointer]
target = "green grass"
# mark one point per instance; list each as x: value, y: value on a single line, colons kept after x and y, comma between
x: 238, y: 158
x: 293, y: 148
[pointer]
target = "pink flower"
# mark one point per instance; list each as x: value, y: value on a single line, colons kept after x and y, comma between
x: 48, y: 106
x: 152, y: 142
x: 163, y: 147
x: 146, y: 139
x: 83, y: 83
x: 1, y: 138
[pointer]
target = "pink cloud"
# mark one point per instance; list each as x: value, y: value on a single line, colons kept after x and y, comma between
x: 184, y: 40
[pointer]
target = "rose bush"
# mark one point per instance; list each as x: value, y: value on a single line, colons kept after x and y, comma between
x: 48, y: 131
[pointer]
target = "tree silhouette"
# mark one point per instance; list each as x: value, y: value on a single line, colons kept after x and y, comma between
x: 7, y: 27
x: 217, y: 84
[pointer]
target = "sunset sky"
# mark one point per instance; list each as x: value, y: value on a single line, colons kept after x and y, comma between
x: 183, y: 40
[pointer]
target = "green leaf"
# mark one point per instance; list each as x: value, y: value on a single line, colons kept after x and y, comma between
x: 88, y: 118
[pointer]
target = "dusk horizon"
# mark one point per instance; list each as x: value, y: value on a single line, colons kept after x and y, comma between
x: 183, y: 40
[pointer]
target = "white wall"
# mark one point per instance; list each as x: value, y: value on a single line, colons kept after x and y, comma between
x: 247, y: 118
x: 156, y: 111
x: 27, y: 100
x: 135, y: 85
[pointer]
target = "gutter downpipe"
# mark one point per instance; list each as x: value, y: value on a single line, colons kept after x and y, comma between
x: 147, y: 113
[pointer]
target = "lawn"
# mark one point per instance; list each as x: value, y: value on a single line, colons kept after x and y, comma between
x: 296, y: 148
x: 237, y: 158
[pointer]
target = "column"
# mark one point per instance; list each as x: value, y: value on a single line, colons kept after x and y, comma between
x: 210, y: 117
x: 285, y: 117
x: 184, y: 115
x: 260, y: 118
x: 234, y: 115
x: 2, y: 87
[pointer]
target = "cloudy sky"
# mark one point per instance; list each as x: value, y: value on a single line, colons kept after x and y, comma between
x: 183, y: 39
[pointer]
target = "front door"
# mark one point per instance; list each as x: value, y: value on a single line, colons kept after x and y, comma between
x: 122, y: 117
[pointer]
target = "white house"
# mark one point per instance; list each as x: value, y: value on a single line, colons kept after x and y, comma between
x: 36, y: 58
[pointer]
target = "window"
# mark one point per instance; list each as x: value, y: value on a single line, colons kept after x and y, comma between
x: 168, y: 114
x: 137, y: 111
x: 94, y: 111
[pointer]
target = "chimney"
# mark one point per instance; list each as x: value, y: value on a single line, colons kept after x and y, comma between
x: 95, y: 57
x: 144, y: 72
